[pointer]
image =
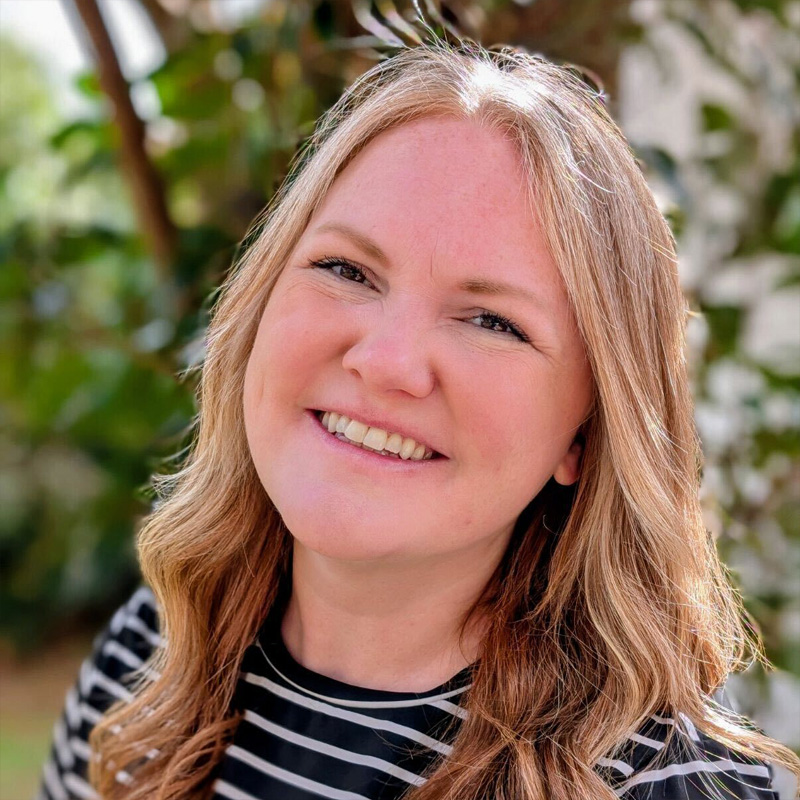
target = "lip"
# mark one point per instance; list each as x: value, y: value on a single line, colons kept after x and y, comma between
x: 367, y: 457
x: 376, y: 421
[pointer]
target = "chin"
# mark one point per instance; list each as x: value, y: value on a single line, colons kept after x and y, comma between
x: 345, y: 542
x: 335, y: 528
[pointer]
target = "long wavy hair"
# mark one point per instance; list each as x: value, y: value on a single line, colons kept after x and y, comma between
x: 604, y: 609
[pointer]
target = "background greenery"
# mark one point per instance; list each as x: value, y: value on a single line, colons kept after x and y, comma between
x: 113, y: 237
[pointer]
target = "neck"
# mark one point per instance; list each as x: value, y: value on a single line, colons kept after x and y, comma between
x: 388, y: 626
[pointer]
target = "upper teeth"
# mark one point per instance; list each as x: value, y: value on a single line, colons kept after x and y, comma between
x: 377, y: 439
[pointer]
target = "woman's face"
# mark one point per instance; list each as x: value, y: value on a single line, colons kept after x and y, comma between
x: 387, y: 311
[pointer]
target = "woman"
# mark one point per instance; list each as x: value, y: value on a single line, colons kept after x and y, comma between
x: 439, y: 534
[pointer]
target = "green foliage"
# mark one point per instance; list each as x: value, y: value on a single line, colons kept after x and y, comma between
x: 748, y: 392
x: 96, y: 333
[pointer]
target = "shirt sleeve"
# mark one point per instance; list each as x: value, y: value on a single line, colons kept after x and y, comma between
x: 686, y: 764
x: 105, y: 676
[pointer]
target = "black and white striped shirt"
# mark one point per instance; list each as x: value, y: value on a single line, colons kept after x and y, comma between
x: 304, y: 736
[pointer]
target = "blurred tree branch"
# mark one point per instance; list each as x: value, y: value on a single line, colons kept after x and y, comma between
x: 146, y: 184
x: 173, y: 31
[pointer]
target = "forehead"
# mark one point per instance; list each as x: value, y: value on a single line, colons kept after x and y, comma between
x: 443, y: 186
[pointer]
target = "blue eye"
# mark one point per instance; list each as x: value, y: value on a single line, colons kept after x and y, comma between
x: 350, y: 271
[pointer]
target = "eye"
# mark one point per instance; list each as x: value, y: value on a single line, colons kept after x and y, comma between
x: 496, y: 322
x: 348, y: 271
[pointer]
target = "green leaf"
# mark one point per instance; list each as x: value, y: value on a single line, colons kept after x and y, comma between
x: 88, y: 83
x: 716, y: 117
x: 725, y: 325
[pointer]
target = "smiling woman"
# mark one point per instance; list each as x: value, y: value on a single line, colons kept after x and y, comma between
x: 439, y: 534
x: 396, y: 343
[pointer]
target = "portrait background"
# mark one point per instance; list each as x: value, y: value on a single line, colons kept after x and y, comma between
x: 137, y: 146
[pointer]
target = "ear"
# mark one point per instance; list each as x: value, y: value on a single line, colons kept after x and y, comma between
x: 569, y: 468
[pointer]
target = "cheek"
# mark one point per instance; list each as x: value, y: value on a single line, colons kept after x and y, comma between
x: 499, y: 410
x: 520, y: 420
x: 253, y: 376
x: 289, y: 338
x: 260, y: 366
x: 305, y: 324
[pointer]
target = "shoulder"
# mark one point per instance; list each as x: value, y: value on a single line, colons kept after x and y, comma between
x: 118, y: 658
x: 129, y: 640
x: 136, y: 622
x: 668, y: 758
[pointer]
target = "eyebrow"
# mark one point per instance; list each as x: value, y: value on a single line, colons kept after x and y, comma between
x: 361, y: 240
x: 483, y: 286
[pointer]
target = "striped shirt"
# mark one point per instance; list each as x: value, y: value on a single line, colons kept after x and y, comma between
x: 304, y: 736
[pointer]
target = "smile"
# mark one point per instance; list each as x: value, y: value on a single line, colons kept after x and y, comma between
x: 377, y: 440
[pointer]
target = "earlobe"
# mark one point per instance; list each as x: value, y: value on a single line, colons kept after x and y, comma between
x: 569, y: 469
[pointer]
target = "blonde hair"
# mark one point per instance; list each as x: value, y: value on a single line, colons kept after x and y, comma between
x: 623, y: 612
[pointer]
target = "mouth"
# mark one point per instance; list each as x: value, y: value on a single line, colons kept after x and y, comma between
x: 384, y: 445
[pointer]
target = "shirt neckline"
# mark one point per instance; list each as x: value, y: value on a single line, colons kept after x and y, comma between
x: 271, y: 644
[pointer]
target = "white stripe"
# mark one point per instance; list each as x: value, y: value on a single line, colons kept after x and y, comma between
x: 76, y: 710
x: 348, y: 756
x: 135, y: 624
x: 85, y: 677
x: 143, y: 596
x: 687, y: 729
x: 350, y: 716
x: 63, y: 753
x: 619, y: 766
x: 418, y: 701
x: 80, y: 748
x: 692, y: 768
x: 118, y: 620
x: 115, y: 649
x: 129, y: 659
x: 71, y: 708
x: 123, y: 777
x: 226, y: 790
x: 53, y: 782
x: 291, y: 778
x: 79, y: 786
x: 690, y: 728
x: 89, y: 713
x: 102, y: 681
x: 451, y: 708
x: 662, y: 720
x: 654, y: 743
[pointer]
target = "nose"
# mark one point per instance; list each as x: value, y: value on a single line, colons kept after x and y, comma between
x: 392, y: 353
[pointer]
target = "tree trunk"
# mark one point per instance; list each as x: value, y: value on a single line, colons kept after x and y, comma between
x: 145, y: 183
